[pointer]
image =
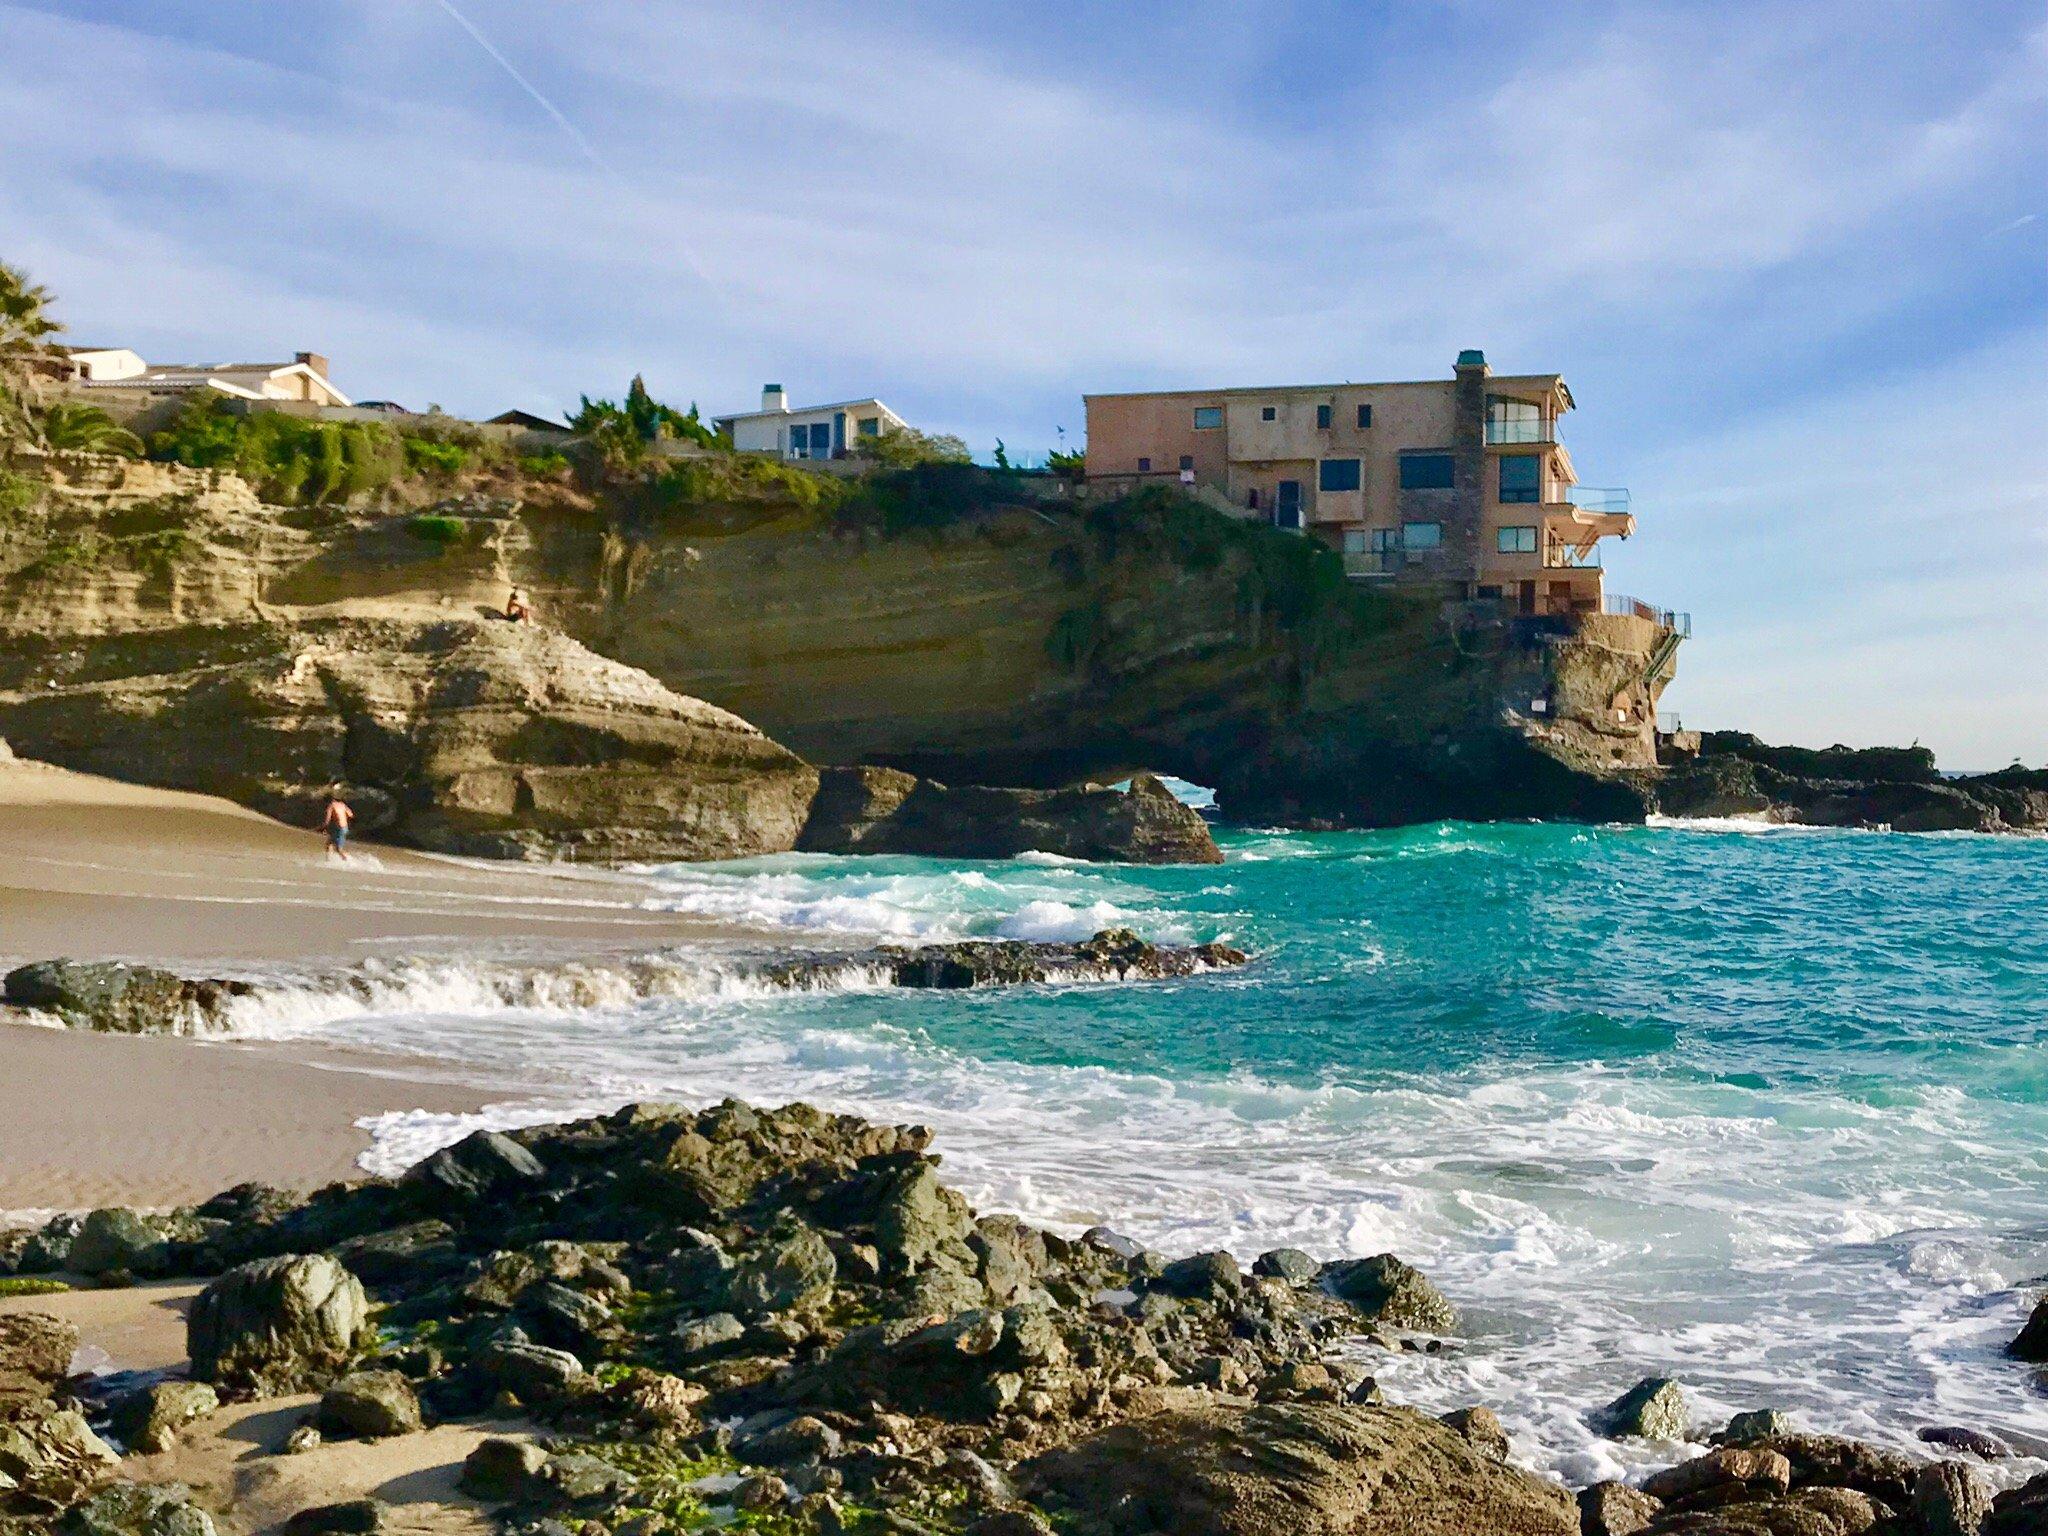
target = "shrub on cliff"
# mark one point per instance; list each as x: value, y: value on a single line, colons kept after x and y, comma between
x: 906, y: 447
x: 623, y: 431
x: 287, y: 459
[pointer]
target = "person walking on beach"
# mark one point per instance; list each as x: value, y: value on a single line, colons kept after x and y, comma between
x: 336, y: 823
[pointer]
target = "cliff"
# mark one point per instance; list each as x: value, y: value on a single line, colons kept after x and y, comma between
x: 966, y: 628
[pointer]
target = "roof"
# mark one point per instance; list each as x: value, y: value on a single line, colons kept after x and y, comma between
x: 518, y: 418
x: 1512, y: 380
x: 804, y: 410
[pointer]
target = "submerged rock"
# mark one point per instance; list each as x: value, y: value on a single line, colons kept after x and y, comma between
x: 120, y: 998
x: 1114, y: 954
x: 278, y: 1325
x: 1385, y: 1290
x: 1652, y: 1409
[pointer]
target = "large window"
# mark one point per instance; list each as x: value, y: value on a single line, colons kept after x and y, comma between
x: 1515, y: 541
x: 1416, y: 536
x: 1338, y: 475
x: 1425, y: 471
x: 1208, y: 417
x: 1513, y: 421
x: 870, y: 426
x: 1521, y: 478
x: 1322, y: 418
x: 1385, y: 539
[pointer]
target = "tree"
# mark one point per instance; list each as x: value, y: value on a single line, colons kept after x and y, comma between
x: 904, y: 447
x: 26, y: 326
x: 1002, y: 455
x: 86, y: 429
x: 1068, y: 463
x: 625, y: 432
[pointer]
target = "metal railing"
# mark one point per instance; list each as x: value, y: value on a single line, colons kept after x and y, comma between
x: 1621, y: 604
x: 1560, y: 556
x: 1517, y: 430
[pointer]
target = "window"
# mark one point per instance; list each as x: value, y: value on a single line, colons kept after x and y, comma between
x: 1425, y: 471
x: 1515, y: 541
x: 1267, y: 413
x: 870, y: 426
x: 1251, y: 498
x: 1187, y: 461
x: 1322, y: 418
x: 1144, y: 466
x: 1338, y: 475
x: 1422, y: 535
x: 821, y: 440
x: 1354, y: 541
x: 1513, y: 421
x: 1364, y: 417
x: 1384, y: 539
x: 1208, y: 417
x: 1521, y: 477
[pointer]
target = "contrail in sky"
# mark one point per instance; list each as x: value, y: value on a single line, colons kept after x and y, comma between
x: 576, y: 135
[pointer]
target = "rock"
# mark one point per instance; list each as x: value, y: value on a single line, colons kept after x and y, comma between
x: 1737, y: 1466
x: 1113, y: 954
x: 1211, y: 1275
x: 565, y: 1317
x: 502, y: 1471
x: 884, y: 811
x: 49, y: 1247
x: 2021, y: 1511
x: 658, y: 1400
x: 149, y: 1420
x: 701, y: 1335
x: 303, y: 1438
x: 579, y: 1478
x: 1615, y: 1509
x: 1011, y: 1522
x: 1835, y: 1462
x: 918, y: 1220
x: 1972, y: 1442
x: 795, y: 1269
x: 533, y: 1371
x: 116, y: 997
x: 351, y: 1517
x: 1307, y: 1468
x: 1851, y: 1513
x: 761, y: 1493
x: 117, y: 1238
x: 2032, y: 1343
x: 139, y: 1509
x: 794, y: 1440
x: 1385, y: 1290
x: 410, y: 1252
x: 482, y: 1164
x: 1652, y: 1409
x: 986, y: 1486
x: 278, y: 1325
x: 35, y: 1354
x: 1950, y: 1498
x: 371, y: 1405
x: 1482, y: 1427
x: 1756, y: 1424
x: 1289, y: 1264
x: 52, y: 1456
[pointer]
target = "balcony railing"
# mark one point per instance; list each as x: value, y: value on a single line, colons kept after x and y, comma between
x: 1621, y: 603
x: 1517, y: 430
x: 1595, y: 498
x: 1372, y: 562
x: 1560, y: 556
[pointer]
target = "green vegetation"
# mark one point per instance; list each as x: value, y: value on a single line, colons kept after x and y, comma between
x: 71, y: 427
x: 287, y: 458
x: 31, y: 1285
x: 444, y: 460
x: 1068, y: 463
x: 906, y: 447
x: 543, y: 466
x: 431, y: 528
x: 623, y: 433
x: 17, y: 493
x: 26, y: 326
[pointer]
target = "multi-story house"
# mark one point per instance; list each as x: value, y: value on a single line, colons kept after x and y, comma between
x: 1462, y: 482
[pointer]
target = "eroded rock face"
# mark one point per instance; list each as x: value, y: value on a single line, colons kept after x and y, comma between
x: 882, y: 810
x: 1302, y: 1469
x: 278, y: 1325
x: 126, y: 999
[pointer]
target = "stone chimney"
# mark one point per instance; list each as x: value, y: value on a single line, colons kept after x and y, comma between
x: 774, y: 398
x: 314, y: 361
x: 1468, y: 468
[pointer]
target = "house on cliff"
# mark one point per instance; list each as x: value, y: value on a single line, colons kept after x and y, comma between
x: 807, y: 432
x: 122, y: 370
x: 1462, y: 481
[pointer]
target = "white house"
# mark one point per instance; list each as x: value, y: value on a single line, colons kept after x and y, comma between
x: 117, y: 368
x: 814, y: 432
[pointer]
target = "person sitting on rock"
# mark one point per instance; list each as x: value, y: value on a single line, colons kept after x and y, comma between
x: 335, y: 823
x: 516, y: 609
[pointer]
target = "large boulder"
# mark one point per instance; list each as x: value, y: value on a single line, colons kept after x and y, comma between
x: 278, y: 1325
x: 120, y: 998
x: 149, y: 1420
x: 117, y: 1238
x: 369, y: 1405
x: 883, y: 810
x: 793, y: 1269
x: 35, y: 1354
x: 50, y: 1458
x: 482, y: 1164
x: 1295, y: 1470
x: 1385, y: 1290
x: 1652, y: 1409
x: 139, y: 1509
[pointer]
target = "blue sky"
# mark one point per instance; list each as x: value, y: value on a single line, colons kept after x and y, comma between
x: 1793, y: 259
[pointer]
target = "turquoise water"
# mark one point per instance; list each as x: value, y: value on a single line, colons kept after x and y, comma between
x: 1764, y: 1110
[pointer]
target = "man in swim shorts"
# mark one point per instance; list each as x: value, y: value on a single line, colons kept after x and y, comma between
x: 336, y: 823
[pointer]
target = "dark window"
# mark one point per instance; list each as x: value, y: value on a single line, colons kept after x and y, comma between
x: 1251, y: 497
x: 821, y: 439
x: 1267, y: 413
x: 1338, y: 475
x: 1489, y: 591
x: 1521, y: 477
x: 1515, y: 541
x: 1144, y: 466
x: 1287, y: 505
x: 1422, y: 535
x: 1425, y: 471
x: 1187, y: 461
x: 1384, y: 539
x: 870, y: 426
x: 1323, y: 418
x: 1364, y: 416
x: 1208, y: 417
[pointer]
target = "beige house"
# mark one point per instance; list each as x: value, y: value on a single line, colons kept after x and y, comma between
x: 1463, y: 481
x: 117, y: 368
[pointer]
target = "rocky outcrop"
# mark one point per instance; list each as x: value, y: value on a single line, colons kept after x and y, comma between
x: 1736, y: 775
x: 278, y: 1325
x: 1115, y: 954
x: 881, y: 810
x: 126, y: 999
x: 1308, y: 1469
x: 50, y: 1459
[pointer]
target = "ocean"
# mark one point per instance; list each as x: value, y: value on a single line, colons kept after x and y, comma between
x: 1765, y: 1110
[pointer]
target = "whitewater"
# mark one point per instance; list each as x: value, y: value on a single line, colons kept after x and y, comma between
x: 1760, y: 1109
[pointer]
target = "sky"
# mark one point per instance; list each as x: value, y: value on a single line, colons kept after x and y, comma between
x: 1792, y: 259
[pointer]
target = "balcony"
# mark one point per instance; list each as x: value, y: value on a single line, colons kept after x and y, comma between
x: 1560, y: 556
x: 1620, y: 603
x: 1518, y: 430
x: 1372, y: 564
x: 1611, y: 499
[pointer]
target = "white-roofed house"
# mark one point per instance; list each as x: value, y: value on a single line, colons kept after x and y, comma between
x: 117, y: 368
x: 809, y: 432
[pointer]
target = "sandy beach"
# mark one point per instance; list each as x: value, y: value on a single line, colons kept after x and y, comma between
x: 95, y: 869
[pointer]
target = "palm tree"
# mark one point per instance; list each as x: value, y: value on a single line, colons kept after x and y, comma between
x: 79, y: 428
x: 26, y: 326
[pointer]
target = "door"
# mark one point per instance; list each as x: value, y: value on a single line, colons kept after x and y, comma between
x: 1287, y: 505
